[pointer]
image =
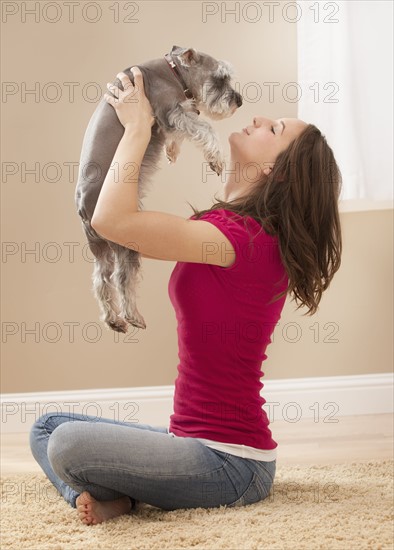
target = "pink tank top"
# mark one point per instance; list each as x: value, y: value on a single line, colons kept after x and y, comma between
x: 224, y: 325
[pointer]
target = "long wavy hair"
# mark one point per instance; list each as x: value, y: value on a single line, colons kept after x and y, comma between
x: 298, y: 202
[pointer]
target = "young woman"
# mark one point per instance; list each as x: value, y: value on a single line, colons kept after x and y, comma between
x: 275, y: 231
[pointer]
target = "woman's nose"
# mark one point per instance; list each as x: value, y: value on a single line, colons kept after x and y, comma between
x: 256, y: 121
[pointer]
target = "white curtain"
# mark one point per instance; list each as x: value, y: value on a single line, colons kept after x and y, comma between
x: 350, y: 45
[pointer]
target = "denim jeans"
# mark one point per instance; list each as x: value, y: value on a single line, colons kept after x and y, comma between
x: 111, y: 459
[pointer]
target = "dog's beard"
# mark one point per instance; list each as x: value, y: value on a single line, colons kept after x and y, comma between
x: 216, y: 103
x: 218, y: 111
x: 217, y: 116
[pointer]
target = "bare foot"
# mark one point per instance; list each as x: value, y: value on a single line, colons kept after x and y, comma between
x: 92, y: 511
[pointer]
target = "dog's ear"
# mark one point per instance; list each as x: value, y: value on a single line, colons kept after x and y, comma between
x: 187, y: 56
x: 176, y: 48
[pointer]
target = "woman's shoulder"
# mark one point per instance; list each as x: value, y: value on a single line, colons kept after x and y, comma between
x: 248, y: 222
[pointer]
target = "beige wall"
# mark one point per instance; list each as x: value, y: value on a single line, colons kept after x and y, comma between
x: 351, y: 333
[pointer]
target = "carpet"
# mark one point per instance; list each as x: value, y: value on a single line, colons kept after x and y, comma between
x: 339, y: 506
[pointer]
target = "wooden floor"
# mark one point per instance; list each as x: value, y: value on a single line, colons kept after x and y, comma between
x: 352, y: 438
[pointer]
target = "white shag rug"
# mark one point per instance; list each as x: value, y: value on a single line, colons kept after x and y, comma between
x: 330, y: 507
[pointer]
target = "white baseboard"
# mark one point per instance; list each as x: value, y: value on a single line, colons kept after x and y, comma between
x: 288, y: 399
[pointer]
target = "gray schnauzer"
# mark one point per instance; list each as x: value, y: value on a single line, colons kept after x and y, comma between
x: 178, y: 86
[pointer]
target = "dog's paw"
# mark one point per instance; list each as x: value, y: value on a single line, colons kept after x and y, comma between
x: 136, y: 319
x: 217, y: 166
x: 214, y: 158
x: 138, y: 324
x: 172, y: 151
x: 118, y: 326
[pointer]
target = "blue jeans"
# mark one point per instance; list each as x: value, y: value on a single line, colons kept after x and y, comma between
x: 111, y: 459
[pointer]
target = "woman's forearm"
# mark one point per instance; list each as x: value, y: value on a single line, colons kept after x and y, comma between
x: 118, y: 197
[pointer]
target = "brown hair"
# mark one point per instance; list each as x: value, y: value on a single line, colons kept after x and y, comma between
x: 298, y: 201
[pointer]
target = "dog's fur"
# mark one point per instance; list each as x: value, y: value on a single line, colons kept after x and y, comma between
x: 116, y: 269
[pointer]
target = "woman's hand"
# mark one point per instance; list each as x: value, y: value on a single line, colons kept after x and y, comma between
x: 131, y: 105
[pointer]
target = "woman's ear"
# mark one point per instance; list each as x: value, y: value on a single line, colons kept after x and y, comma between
x: 267, y: 171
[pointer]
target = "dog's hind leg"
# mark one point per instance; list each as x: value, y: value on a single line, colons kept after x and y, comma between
x: 127, y: 275
x: 104, y: 287
x: 127, y: 261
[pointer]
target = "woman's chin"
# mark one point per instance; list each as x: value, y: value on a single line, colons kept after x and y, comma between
x: 234, y: 136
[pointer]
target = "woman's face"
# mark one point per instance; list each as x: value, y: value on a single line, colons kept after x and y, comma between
x: 261, y: 141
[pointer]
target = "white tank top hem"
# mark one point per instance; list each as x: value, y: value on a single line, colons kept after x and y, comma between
x: 244, y: 451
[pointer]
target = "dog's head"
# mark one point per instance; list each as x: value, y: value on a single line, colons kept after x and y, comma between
x: 210, y: 82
